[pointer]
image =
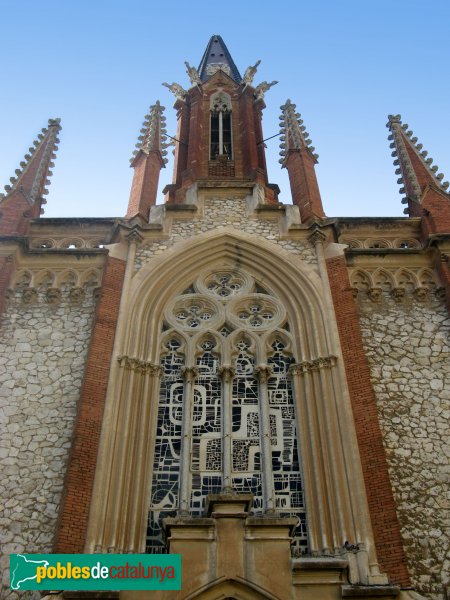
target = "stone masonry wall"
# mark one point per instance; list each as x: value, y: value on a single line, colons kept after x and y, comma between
x: 407, y: 345
x: 42, y: 354
x: 222, y: 212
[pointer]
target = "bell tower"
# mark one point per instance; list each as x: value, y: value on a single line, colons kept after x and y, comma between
x: 219, y: 134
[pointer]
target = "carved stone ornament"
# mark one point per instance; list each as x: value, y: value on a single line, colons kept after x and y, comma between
x: 263, y: 373
x: 262, y: 88
x: 76, y: 295
x: 139, y: 366
x: 375, y: 294
x: 323, y: 362
x: 250, y: 73
x: 421, y: 294
x: 227, y: 372
x: 29, y: 296
x: 134, y: 236
x: 189, y: 373
x: 176, y: 89
x: 192, y: 72
x: 213, y: 68
x: 398, y: 294
x: 317, y: 237
x: 53, y: 296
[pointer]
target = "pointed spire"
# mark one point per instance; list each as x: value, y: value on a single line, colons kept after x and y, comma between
x: 293, y: 133
x: 147, y: 161
x: 32, y: 177
x: 297, y: 155
x: 153, y: 133
x: 413, y: 164
x: 216, y: 57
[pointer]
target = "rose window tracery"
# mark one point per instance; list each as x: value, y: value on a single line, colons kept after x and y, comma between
x: 226, y: 414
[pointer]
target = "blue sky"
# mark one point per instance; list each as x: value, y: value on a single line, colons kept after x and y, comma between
x: 99, y: 65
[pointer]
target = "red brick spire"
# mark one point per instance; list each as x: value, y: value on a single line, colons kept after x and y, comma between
x: 147, y: 162
x: 426, y: 195
x: 298, y: 157
x: 23, y: 199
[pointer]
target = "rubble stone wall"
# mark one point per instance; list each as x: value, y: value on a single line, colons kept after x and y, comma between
x: 408, y: 348
x: 222, y: 212
x: 42, y: 355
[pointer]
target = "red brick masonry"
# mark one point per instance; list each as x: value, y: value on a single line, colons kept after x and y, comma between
x: 75, y: 503
x: 382, y: 507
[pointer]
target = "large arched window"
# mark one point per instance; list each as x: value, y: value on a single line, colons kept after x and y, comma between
x: 220, y: 134
x: 226, y: 414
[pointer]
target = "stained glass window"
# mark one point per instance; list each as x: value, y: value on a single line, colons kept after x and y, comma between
x: 217, y: 337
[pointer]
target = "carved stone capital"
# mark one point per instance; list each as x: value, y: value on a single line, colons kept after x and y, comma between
x: 317, y: 237
x: 189, y: 374
x: 139, y: 366
x: 421, y: 294
x: 375, y: 294
x: 76, y: 295
x: 227, y: 372
x: 53, y: 296
x: 263, y: 373
x: 29, y: 296
x: 398, y: 294
x: 323, y: 362
x: 355, y: 292
x: 440, y: 293
x: 134, y: 236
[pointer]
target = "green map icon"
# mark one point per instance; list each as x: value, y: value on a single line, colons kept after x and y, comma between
x: 23, y: 569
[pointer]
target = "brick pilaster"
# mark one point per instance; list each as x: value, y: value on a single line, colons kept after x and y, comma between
x: 144, y: 188
x: 380, y: 496
x: 304, y: 187
x: 76, y: 499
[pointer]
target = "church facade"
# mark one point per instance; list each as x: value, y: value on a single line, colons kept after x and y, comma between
x: 253, y: 385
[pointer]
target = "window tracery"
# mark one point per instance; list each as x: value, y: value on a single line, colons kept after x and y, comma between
x: 221, y: 143
x: 226, y: 414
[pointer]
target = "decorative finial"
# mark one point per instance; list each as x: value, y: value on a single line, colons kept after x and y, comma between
x: 262, y: 88
x: 177, y: 90
x: 192, y: 72
x: 250, y: 73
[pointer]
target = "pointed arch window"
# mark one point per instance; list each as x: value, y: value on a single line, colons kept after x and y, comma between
x: 221, y: 145
x: 226, y: 416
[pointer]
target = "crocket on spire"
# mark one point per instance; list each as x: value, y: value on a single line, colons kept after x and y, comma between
x: 425, y: 193
x: 147, y: 161
x: 297, y: 155
x: 23, y: 198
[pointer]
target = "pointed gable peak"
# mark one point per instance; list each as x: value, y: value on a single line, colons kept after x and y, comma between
x: 413, y: 164
x: 217, y: 57
x: 31, y: 177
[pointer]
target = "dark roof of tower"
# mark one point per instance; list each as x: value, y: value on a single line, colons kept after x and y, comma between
x: 217, y: 53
